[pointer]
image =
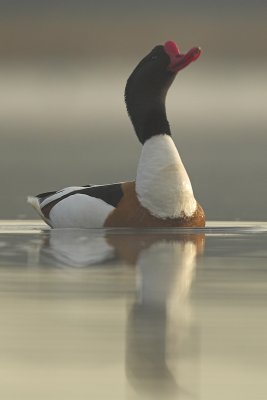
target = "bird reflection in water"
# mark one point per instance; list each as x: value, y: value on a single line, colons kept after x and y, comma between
x: 159, y: 326
x: 160, y: 332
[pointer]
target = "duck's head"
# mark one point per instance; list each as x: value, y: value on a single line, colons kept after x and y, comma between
x: 148, y: 84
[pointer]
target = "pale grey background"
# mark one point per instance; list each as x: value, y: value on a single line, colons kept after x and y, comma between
x: 63, y: 67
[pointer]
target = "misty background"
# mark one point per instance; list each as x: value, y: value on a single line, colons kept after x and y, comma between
x: 63, y: 122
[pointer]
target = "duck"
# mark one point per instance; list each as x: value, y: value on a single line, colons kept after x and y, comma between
x: 162, y: 194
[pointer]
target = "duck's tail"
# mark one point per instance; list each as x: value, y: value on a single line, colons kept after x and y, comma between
x: 34, y: 201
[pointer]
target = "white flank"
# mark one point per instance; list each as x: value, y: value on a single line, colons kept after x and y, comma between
x: 80, y: 211
x: 162, y: 183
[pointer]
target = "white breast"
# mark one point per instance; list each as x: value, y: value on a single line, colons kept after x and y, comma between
x: 162, y: 183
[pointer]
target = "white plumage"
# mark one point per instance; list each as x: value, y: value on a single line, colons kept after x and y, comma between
x: 92, y: 212
x: 162, y: 183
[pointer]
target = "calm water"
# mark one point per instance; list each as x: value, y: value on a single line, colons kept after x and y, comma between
x: 133, y: 314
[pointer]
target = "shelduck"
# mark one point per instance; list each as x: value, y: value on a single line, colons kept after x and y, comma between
x: 161, y: 195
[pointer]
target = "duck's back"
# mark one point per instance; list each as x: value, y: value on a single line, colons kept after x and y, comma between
x: 78, y: 206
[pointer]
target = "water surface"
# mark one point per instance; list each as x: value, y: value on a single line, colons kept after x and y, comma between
x: 133, y: 314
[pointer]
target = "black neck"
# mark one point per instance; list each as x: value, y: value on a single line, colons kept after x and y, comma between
x: 149, y: 119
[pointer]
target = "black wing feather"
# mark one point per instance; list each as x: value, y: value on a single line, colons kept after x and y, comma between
x: 111, y: 194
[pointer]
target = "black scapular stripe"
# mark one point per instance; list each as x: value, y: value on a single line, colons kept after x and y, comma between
x: 111, y: 194
x: 43, y: 196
